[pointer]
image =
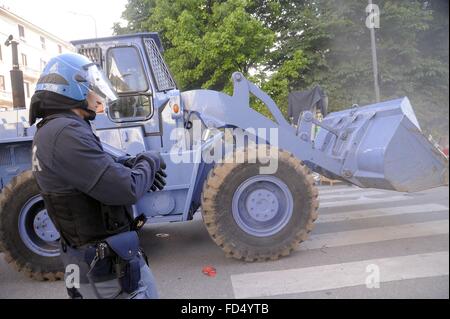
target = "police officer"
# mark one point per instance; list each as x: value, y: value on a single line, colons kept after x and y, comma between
x: 88, y: 194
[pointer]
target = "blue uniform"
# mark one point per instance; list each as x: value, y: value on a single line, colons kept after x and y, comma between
x: 68, y: 158
x: 71, y: 158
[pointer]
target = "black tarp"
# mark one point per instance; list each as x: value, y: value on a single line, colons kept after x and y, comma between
x: 300, y: 101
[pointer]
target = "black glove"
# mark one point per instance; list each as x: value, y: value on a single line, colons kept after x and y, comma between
x: 158, y: 165
x: 159, y: 181
x: 127, y: 161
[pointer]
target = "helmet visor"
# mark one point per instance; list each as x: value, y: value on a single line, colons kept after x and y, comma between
x: 99, y: 83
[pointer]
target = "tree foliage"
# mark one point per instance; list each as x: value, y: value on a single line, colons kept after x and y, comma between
x: 287, y: 45
x: 206, y: 41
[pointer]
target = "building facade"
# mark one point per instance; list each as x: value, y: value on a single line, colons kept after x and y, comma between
x: 36, y: 47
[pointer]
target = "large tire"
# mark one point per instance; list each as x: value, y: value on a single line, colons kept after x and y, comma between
x: 20, y: 204
x: 230, y: 219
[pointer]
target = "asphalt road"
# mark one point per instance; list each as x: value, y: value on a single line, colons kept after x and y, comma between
x: 366, y: 244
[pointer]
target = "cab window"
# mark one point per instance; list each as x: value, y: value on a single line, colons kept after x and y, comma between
x: 131, y: 108
x: 125, y: 70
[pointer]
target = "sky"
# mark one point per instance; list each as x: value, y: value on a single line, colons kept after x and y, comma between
x: 67, y: 19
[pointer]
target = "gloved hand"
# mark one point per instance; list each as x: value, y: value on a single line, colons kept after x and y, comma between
x: 127, y: 160
x: 158, y: 165
x: 159, y: 182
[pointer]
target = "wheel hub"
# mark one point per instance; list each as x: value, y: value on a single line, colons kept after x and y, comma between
x: 44, y: 227
x: 37, y: 230
x: 262, y: 205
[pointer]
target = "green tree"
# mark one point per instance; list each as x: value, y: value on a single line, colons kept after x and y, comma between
x: 287, y: 45
x: 136, y: 13
x: 206, y: 41
x: 433, y: 84
x: 412, y: 45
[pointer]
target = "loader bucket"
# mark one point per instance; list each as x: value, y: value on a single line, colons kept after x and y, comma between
x: 382, y: 146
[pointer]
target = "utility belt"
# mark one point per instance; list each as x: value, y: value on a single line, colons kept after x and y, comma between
x: 101, y: 239
x: 117, y: 258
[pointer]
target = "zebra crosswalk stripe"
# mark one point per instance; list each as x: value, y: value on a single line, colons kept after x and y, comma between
x: 349, y: 195
x: 351, y: 274
x: 340, y: 190
x: 380, y: 212
x: 376, y: 234
x: 325, y: 277
x: 362, y: 201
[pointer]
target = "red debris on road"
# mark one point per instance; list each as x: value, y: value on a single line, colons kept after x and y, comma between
x: 209, y: 271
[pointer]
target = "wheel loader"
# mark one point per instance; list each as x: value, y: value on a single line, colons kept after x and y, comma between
x: 248, y: 175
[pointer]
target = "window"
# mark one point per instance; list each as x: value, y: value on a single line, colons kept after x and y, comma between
x: 2, y: 83
x: 43, y: 42
x: 27, y: 88
x: 125, y: 71
x: 24, y: 59
x: 21, y: 31
x: 59, y: 49
x: 43, y: 64
x: 131, y: 108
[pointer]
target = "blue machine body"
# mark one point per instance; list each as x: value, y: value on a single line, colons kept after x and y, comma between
x: 379, y: 146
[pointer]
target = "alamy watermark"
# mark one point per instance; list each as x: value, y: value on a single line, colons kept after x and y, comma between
x: 373, y: 279
x: 72, y: 276
x: 373, y: 19
x: 227, y: 145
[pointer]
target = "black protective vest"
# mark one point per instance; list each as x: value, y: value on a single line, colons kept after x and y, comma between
x: 81, y: 219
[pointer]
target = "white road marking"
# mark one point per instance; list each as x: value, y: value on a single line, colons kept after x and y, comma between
x: 380, y: 212
x: 352, y: 189
x: 376, y: 234
x: 325, y: 277
x: 334, y: 190
x: 362, y: 201
x: 349, y: 195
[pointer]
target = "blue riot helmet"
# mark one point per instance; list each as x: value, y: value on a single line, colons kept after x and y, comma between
x: 73, y: 75
x: 66, y: 82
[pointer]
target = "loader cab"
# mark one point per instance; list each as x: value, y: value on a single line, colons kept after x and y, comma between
x: 135, y: 67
